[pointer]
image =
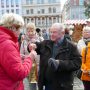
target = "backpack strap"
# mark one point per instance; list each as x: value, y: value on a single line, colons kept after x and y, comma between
x: 86, y: 49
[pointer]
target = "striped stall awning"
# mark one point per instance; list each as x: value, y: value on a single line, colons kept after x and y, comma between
x: 75, y: 22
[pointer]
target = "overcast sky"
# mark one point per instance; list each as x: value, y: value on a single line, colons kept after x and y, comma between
x: 62, y: 3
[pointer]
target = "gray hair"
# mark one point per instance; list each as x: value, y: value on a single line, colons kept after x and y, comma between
x: 59, y: 26
x: 10, y: 19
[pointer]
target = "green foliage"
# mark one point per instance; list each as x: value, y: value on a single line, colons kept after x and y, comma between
x: 87, y: 9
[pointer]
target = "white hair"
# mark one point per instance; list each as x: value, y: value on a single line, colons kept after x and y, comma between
x: 60, y: 26
x: 86, y: 28
x: 10, y: 19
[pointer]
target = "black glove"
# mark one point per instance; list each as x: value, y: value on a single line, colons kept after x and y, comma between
x: 53, y: 64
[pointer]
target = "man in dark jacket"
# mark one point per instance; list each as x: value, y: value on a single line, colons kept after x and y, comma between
x: 59, y: 58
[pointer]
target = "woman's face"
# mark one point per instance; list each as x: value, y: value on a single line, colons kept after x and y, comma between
x: 30, y: 32
x: 86, y: 34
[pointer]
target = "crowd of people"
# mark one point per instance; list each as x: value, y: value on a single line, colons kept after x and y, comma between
x: 47, y: 60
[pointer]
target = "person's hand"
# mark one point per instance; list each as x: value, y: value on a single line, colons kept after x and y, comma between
x: 33, y: 55
x: 22, y: 56
x: 32, y: 46
x: 53, y: 64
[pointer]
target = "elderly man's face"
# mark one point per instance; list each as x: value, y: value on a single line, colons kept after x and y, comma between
x: 55, y: 34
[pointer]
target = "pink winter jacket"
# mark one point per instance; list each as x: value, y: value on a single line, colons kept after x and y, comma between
x: 12, y: 70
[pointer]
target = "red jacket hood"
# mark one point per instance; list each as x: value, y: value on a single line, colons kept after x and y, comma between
x: 7, y: 34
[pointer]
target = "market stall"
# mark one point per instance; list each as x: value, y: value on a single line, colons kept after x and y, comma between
x: 77, y: 28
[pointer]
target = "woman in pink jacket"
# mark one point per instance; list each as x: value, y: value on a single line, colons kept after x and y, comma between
x: 12, y: 70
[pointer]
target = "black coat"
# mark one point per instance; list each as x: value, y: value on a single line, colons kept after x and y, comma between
x: 70, y: 61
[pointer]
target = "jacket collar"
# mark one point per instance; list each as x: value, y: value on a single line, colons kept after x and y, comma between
x: 9, y: 33
x: 63, y: 45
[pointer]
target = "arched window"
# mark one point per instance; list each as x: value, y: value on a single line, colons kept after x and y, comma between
x: 54, y: 10
x: 49, y: 10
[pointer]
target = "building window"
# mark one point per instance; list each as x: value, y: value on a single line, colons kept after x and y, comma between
x: 54, y: 10
x: 7, y: 11
x: 38, y: 1
x: 17, y: 11
x: 27, y: 11
x: 38, y: 12
x: 2, y: 3
x: 51, y: 1
x: 42, y: 1
x: 49, y: 10
x: 31, y: 1
x: 43, y: 11
x: 27, y: 2
x: 81, y: 2
x: 12, y: 10
x: 31, y: 11
x: 7, y: 3
x: 12, y: 3
x: 17, y: 3
x: 2, y: 11
x: 54, y: 1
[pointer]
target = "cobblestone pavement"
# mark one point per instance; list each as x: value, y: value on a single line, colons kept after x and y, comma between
x: 77, y: 84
